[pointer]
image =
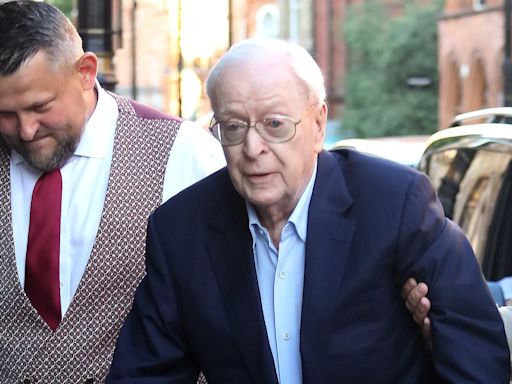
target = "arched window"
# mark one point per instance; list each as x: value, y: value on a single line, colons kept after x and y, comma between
x: 267, y: 21
x: 479, y: 4
x: 450, y: 91
x: 476, y: 92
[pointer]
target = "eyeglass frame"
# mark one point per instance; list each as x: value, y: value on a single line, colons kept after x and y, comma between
x: 250, y: 124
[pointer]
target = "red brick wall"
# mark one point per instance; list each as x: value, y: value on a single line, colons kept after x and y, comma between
x: 473, y: 43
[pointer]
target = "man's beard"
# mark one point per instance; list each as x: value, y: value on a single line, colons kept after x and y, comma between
x: 57, y: 159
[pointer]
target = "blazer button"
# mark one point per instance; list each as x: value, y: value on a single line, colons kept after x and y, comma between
x: 89, y: 381
x: 26, y: 381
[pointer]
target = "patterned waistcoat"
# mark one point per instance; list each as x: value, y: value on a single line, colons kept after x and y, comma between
x: 80, y: 351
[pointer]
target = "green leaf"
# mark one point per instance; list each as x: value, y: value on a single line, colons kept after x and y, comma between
x: 385, y: 51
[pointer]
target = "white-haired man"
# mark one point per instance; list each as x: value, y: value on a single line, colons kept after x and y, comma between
x: 274, y: 269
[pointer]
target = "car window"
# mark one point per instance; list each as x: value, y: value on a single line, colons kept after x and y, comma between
x: 474, y: 186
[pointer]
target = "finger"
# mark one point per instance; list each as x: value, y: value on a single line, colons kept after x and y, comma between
x: 426, y: 330
x: 414, y: 297
x: 421, y: 311
x: 408, y: 286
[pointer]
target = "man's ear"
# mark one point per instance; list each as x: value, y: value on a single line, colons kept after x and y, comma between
x: 88, y: 67
x: 320, y: 126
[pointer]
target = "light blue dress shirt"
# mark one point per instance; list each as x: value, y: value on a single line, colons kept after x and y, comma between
x: 281, y: 279
x: 506, y: 286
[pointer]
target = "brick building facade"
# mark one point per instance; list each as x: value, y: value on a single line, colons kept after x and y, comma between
x: 471, y: 52
x: 168, y: 47
x: 163, y: 39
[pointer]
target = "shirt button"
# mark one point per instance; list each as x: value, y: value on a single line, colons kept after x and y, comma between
x: 282, y: 275
x: 286, y: 336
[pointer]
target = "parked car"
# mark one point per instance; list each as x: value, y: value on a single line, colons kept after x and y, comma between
x: 470, y: 165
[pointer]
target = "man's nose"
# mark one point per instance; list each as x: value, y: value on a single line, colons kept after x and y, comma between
x: 28, y: 126
x: 253, y: 143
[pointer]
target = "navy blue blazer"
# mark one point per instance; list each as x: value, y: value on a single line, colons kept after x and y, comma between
x: 371, y: 225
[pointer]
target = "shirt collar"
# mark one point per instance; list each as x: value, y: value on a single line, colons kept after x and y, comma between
x: 299, y: 216
x: 98, y: 129
x: 101, y: 125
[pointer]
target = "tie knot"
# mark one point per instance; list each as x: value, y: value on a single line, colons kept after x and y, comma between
x: 53, y: 173
x: 49, y: 181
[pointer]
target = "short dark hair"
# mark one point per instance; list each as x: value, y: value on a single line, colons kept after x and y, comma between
x: 27, y: 27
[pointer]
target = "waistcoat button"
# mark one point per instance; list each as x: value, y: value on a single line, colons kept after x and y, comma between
x: 26, y: 381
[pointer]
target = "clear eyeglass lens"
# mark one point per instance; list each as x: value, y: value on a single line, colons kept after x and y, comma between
x: 277, y: 128
x: 273, y: 129
x: 232, y: 131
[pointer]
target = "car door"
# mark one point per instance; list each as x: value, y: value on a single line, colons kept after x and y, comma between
x: 473, y: 179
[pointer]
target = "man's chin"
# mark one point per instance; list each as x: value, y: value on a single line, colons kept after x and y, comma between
x: 47, y: 161
x: 46, y: 153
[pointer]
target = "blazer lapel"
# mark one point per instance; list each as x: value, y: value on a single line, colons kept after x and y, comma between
x: 328, y: 243
x: 230, y: 250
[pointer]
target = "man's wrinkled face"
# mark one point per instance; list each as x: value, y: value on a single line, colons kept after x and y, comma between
x: 269, y: 175
x: 42, y: 112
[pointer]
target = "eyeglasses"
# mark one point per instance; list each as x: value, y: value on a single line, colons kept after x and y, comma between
x: 274, y: 129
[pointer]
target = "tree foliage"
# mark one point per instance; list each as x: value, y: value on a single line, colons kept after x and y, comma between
x: 385, y: 52
x: 66, y: 6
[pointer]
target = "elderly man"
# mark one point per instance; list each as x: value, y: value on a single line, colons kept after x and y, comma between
x: 273, y: 269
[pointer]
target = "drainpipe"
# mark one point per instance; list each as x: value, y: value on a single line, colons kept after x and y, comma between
x: 294, y: 21
x: 134, y: 50
x: 230, y: 23
x: 507, y: 61
x: 180, y: 60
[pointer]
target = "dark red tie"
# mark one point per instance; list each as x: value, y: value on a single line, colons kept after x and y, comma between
x: 43, y: 248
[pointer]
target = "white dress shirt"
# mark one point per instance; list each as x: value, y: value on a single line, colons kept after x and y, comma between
x: 280, y: 276
x: 194, y: 155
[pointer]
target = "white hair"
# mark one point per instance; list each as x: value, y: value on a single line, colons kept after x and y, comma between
x: 301, y: 62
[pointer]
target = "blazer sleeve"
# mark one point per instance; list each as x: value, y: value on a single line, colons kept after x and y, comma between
x: 468, y: 337
x: 150, y: 347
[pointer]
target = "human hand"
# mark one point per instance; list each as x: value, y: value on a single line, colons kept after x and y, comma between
x: 416, y: 301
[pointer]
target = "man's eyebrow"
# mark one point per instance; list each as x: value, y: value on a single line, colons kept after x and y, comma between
x: 34, y: 105
x: 40, y: 103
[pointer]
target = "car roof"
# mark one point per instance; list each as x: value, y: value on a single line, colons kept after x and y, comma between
x: 494, y: 115
x: 401, y: 149
x: 491, y: 130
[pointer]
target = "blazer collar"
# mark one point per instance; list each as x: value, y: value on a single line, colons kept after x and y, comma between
x: 330, y: 230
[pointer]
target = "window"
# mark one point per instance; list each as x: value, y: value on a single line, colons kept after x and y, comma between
x: 267, y: 21
x: 474, y: 184
x: 479, y: 4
